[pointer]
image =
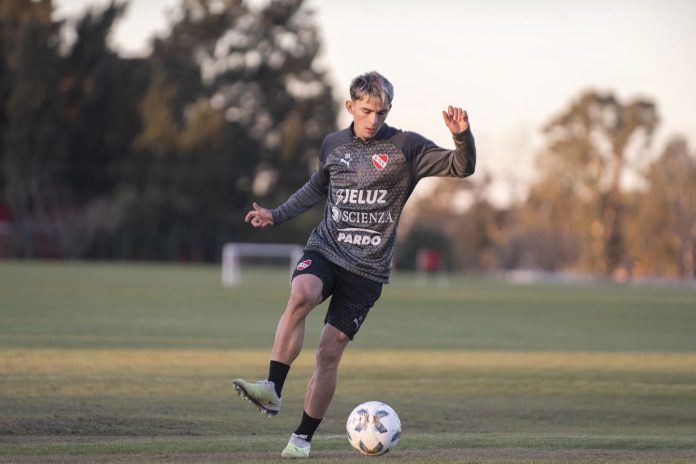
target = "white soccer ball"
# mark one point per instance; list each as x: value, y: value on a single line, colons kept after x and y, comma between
x: 373, y: 428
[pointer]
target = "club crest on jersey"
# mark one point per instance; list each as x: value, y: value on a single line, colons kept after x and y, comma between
x: 304, y: 264
x: 380, y: 161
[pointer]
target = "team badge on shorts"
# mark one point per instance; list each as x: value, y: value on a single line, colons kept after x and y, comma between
x: 380, y: 161
x: 304, y: 264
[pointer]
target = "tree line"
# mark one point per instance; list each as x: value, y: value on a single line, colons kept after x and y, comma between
x: 159, y: 157
x: 603, y: 202
x: 156, y: 157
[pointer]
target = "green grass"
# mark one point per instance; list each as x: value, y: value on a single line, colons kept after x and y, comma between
x: 132, y: 363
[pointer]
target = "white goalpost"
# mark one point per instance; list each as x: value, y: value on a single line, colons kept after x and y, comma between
x: 232, y: 252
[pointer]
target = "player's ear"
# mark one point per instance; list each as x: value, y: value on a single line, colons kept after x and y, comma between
x: 349, y: 106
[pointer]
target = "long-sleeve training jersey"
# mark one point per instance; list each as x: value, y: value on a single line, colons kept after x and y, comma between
x: 366, y: 185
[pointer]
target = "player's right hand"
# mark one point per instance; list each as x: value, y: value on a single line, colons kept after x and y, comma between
x: 259, y: 217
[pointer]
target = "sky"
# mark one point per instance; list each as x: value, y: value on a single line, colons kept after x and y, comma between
x: 511, y: 64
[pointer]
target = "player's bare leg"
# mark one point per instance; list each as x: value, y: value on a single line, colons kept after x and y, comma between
x: 322, y: 385
x: 320, y: 390
x: 305, y: 295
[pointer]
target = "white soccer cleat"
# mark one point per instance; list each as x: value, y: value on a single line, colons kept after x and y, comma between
x: 297, y: 448
x: 262, y: 394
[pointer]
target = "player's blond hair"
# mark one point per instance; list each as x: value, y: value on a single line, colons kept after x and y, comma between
x: 372, y: 85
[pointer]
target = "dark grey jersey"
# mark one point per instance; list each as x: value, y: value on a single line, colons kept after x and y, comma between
x: 366, y: 185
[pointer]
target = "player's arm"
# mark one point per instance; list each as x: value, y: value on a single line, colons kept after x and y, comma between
x: 311, y: 193
x: 464, y: 157
x: 303, y: 199
x: 429, y: 159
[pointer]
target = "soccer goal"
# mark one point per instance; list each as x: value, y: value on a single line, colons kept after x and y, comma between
x: 233, y: 252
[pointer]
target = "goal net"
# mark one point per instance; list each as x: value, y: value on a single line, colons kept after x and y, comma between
x: 233, y: 252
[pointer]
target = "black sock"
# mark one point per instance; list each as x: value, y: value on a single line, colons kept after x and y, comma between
x: 307, y: 427
x: 277, y: 372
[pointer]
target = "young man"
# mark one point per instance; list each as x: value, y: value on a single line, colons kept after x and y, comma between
x: 366, y: 173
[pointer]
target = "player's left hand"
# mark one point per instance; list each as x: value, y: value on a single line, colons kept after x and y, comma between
x: 456, y: 119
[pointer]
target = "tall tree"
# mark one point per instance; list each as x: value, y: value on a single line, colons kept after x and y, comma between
x: 99, y: 94
x: 236, y: 111
x: 594, y: 145
x: 549, y: 225
x: 15, y: 15
x: 32, y: 146
x: 90, y: 78
x: 69, y: 122
x: 663, y: 226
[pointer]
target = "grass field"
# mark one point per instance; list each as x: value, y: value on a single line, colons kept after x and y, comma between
x: 132, y: 363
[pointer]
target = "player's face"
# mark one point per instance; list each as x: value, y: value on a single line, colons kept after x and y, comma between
x: 368, y: 116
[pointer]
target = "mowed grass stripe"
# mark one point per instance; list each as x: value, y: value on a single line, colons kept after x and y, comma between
x: 194, y: 362
x: 137, y: 373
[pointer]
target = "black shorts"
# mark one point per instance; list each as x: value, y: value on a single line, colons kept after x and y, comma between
x: 353, y: 295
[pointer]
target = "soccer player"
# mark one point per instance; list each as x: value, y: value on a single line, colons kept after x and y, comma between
x: 366, y: 173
